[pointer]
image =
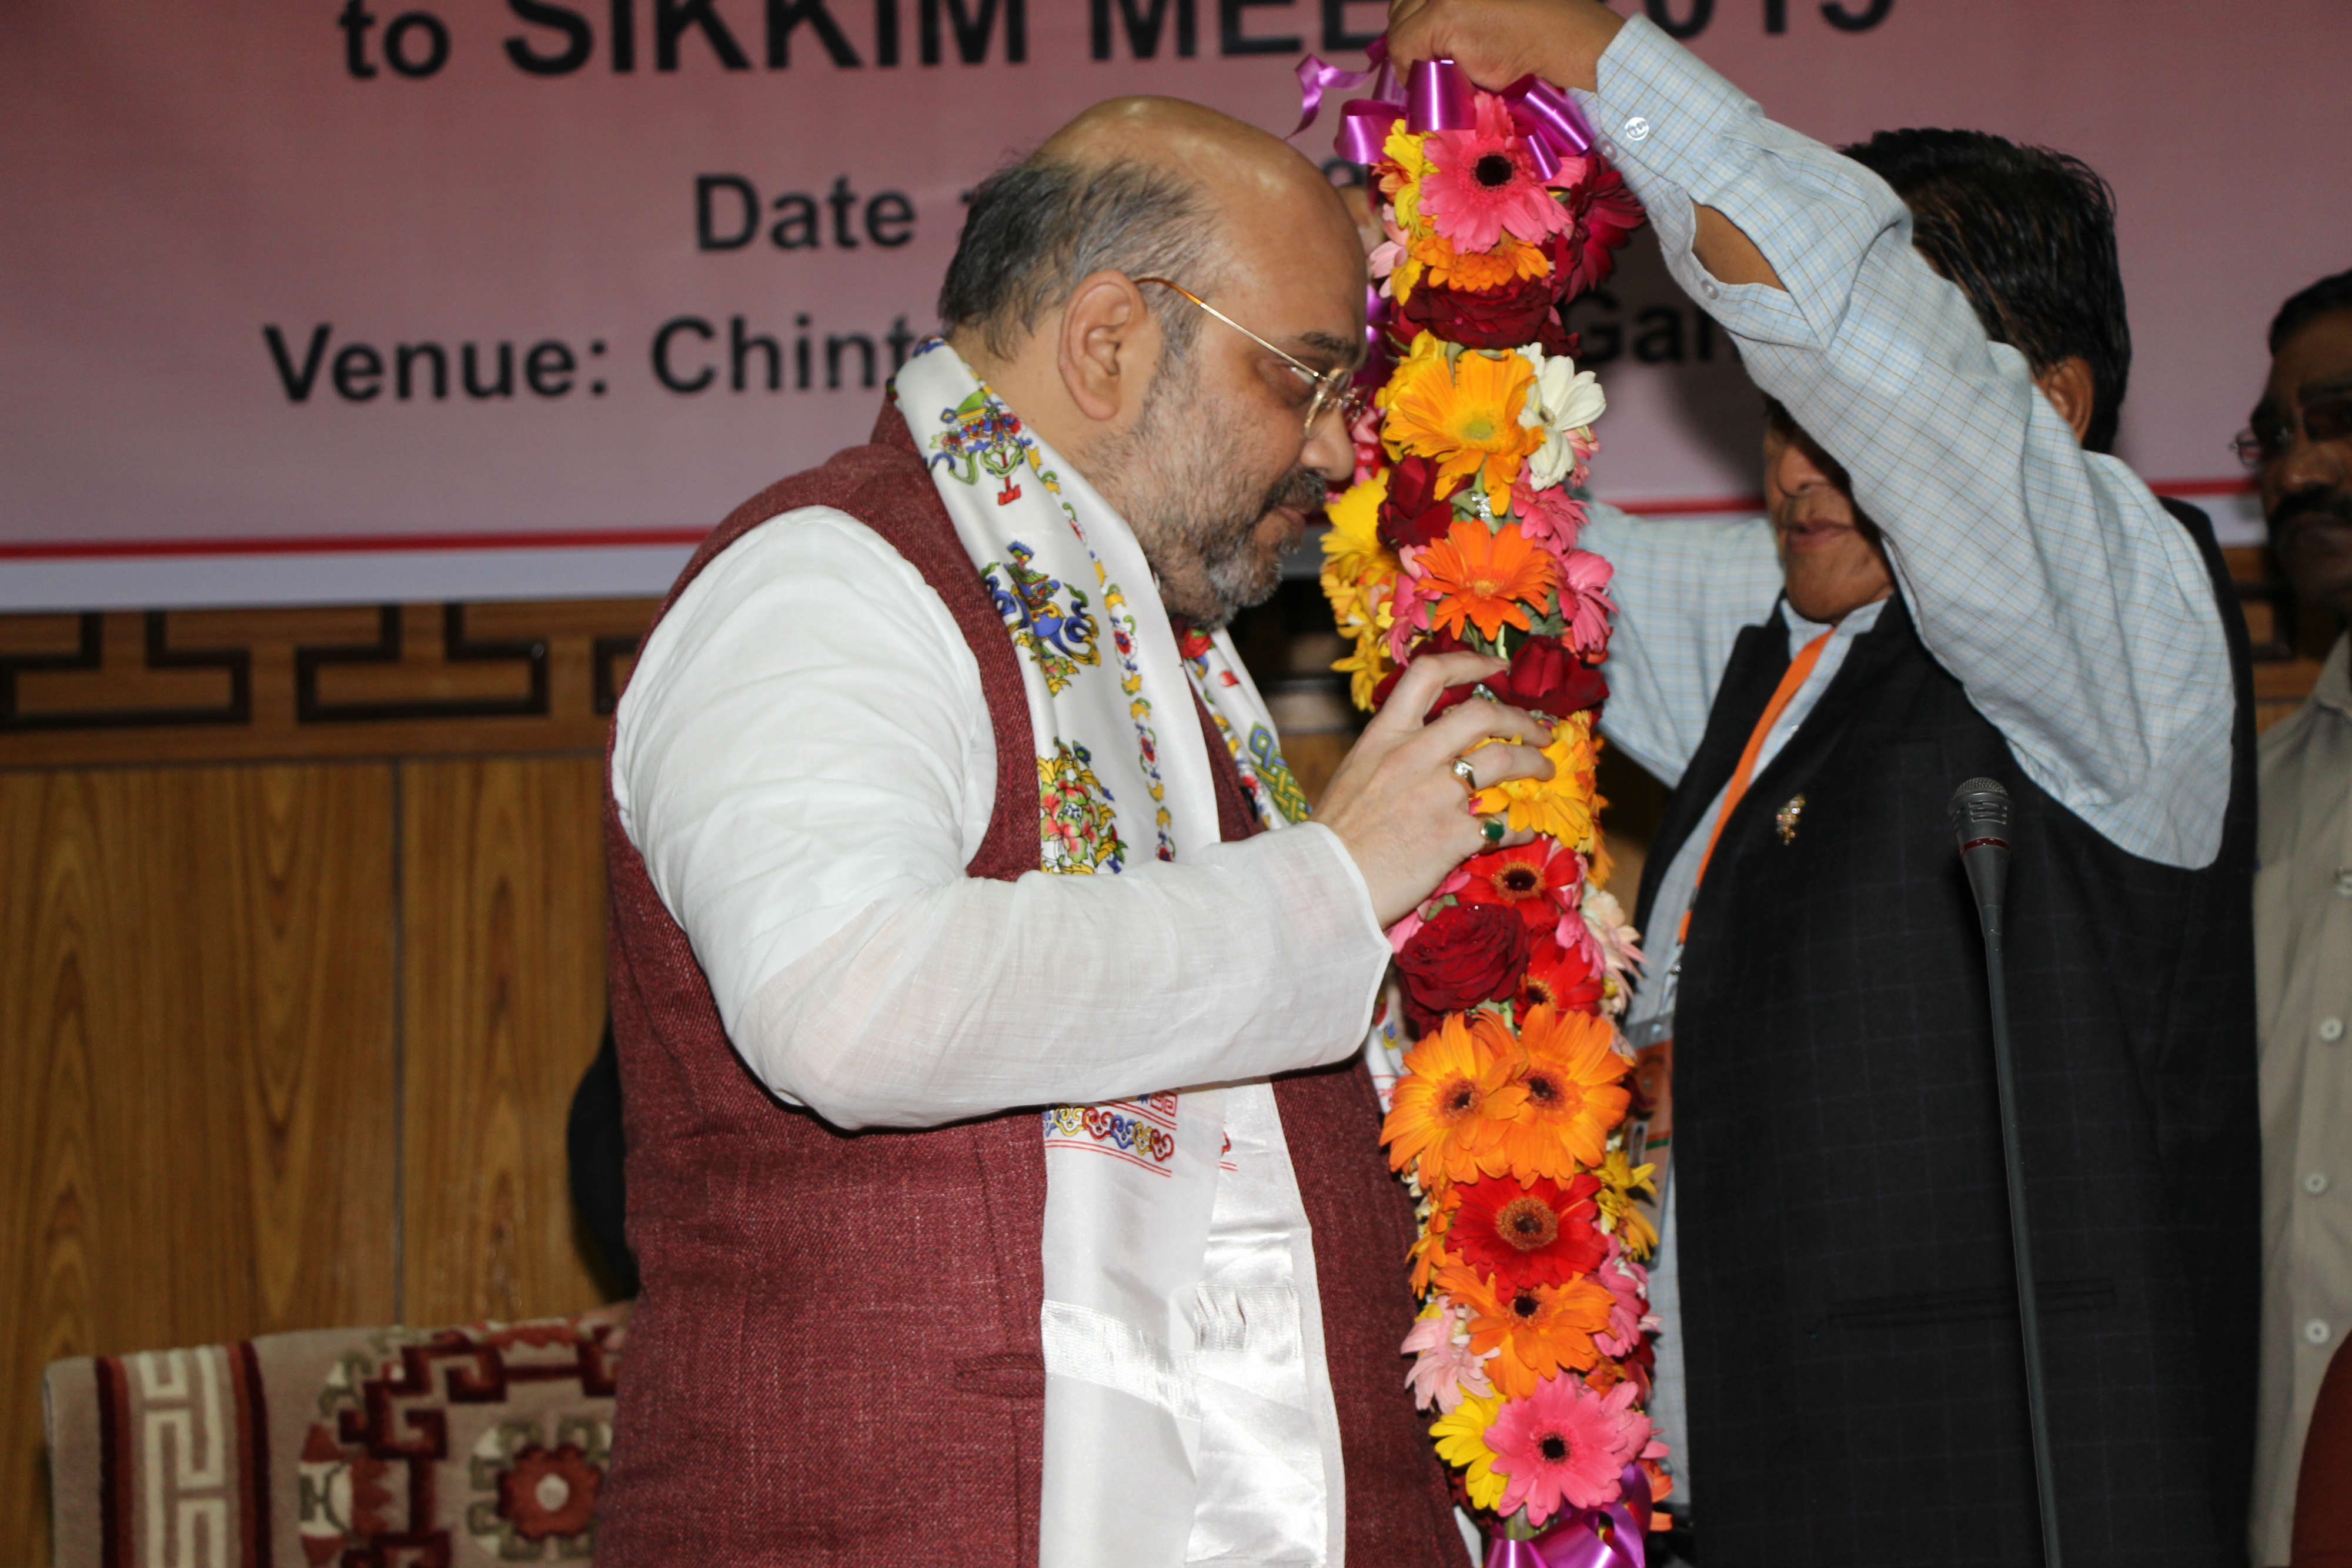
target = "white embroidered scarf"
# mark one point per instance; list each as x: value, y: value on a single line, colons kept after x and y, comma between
x: 1123, y: 776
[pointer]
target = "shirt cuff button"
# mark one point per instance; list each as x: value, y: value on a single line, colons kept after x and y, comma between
x: 1636, y: 130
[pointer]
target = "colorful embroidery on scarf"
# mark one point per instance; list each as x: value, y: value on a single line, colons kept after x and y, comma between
x: 1140, y: 1132
x: 983, y: 437
x: 1046, y: 619
x: 1078, y: 828
x: 1138, y: 708
x: 1265, y: 769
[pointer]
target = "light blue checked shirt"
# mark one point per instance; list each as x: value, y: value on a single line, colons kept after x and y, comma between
x: 2075, y: 611
x: 2073, y: 608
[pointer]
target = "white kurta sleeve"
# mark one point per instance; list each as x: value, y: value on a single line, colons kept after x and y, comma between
x: 804, y: 759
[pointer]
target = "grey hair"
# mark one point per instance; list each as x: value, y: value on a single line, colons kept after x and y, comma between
x: 1037, y: 228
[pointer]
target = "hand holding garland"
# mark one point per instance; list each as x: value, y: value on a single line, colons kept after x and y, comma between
x: 1395, y: 801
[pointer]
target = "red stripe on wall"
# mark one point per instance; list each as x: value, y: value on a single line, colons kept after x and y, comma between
x: 617, y: 538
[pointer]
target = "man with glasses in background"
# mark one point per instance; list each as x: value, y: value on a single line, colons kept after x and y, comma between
x: 975, y: 1223
x: 2300, y: 449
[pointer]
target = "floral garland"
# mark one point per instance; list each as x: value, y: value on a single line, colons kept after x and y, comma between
x: 1510, y: 1125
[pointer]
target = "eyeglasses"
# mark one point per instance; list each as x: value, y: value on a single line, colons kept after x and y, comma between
x: 1334, y: 389
x: 2267, y: 439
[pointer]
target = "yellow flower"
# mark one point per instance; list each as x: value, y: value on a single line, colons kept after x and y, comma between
x: 1353, y: 550
x: 1465, y: 416
x: 1563, y: 806
x: 1461, y: 1441
x: 1365, y: 668
x: 1402, y: 185
x: 1620, y: 1215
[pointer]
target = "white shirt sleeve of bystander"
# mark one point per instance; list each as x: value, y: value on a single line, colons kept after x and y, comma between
x: 804, y: 759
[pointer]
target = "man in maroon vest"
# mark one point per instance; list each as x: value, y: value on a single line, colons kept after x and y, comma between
x: 840, y: 997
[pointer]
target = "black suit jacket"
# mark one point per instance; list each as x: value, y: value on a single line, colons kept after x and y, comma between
x: 1856, y: 1393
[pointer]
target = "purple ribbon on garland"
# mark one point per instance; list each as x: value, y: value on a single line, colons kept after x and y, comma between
x: 1438, y: 97
x: 1576, y: 1542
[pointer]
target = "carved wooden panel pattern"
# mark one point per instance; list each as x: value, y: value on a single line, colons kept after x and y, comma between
x: 314, y: 682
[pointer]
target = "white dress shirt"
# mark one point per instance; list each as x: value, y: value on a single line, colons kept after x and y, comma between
x: 2302, y: 973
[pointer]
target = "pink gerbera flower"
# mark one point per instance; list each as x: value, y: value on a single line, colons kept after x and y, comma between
x: 1628, y: 1283
x: 1364, y: 436
x: 1482, y: 183
x: 1564, y: 1444
x: 1443, y: 1367
x: 1409, y: 602
x: 1551, y: 517
x: 1583, y: 576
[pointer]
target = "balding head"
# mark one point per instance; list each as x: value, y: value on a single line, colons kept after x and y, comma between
x: 1203, y: 444
x: 1149, y: 187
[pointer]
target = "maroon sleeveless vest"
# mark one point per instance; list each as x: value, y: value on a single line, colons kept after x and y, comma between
x: 835, y: 1358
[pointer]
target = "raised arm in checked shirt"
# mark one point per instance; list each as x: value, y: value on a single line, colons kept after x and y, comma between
x: 2075, y: 610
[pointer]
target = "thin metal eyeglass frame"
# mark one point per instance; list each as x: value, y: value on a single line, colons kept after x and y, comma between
x: 2248, y: 445
x: 1331, y: 387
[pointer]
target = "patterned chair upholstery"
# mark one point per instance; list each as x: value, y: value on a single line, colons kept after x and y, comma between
x: 363, y: 1447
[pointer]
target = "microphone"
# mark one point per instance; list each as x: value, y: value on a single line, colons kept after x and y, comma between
x: 1980, y: 822
x: 1980, y: 825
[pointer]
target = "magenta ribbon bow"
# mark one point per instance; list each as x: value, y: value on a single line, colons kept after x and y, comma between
x: 1438, y: 97
x: 1575, y: 1542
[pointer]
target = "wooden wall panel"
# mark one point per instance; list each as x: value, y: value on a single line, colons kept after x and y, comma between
x: 503, y: 981
x: 196, y: 1069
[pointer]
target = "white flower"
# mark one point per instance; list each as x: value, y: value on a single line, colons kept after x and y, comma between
x: 1563, y: 403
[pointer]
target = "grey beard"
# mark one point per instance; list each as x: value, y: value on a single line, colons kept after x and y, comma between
x: 1195, y: 516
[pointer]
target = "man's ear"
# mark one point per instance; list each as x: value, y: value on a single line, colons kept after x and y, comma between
x: 2070, y: 391
x: 1108, y: 341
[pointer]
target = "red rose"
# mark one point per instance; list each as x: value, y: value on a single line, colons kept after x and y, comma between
x: 1545, y: 676
x: 1606, y: 216
x: 1500, y: 318
x: 1470, y: 954
x: 1415, y: 512
x: 1520, y: 312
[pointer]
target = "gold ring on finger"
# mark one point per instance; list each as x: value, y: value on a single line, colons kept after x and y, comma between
x: 1492, y: 829
x: 1469, y: 776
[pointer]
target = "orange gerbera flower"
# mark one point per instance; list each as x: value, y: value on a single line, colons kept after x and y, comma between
x: 1538, y: 1329
x: 1483, y: 577
x: 1478, y: 270
x: 1570, y: 1070
x: 1450, y: 1105
x: 1430, y: 1254
x: 1465, y: 415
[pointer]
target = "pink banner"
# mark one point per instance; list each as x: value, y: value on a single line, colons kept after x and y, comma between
x: 366, y: 298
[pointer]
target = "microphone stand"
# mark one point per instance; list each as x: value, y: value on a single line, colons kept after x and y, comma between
x: 1980, y: 821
